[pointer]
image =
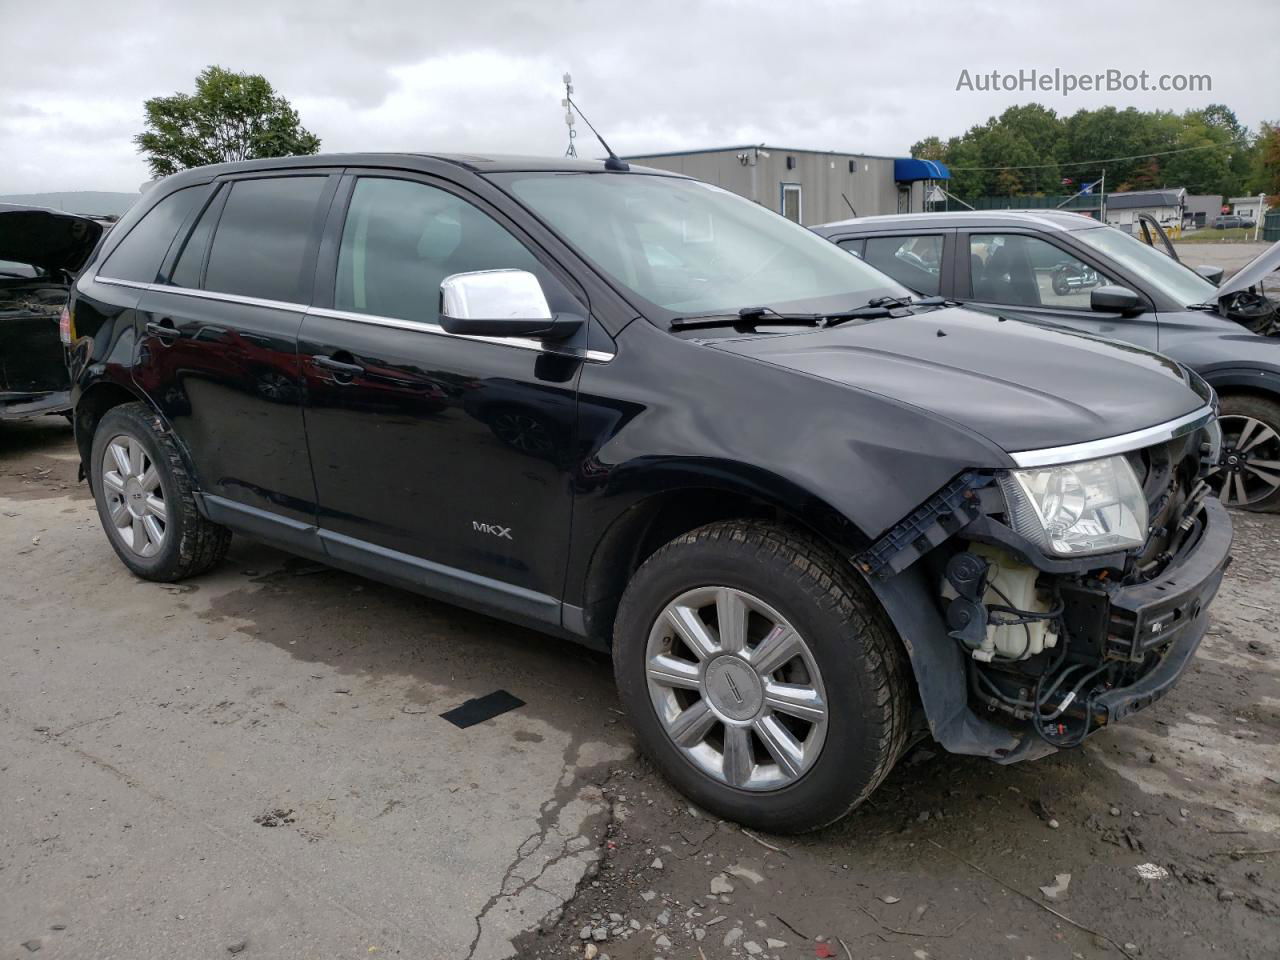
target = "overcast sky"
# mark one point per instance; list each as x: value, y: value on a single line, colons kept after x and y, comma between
x: 478, y: 75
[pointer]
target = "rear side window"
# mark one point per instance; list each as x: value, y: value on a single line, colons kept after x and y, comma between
x: 915, y: 262
x: 264, y: 241
x: 186, y: 272
x: 139, y: 254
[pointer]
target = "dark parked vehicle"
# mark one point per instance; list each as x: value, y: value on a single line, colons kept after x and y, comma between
x: 1068, y: 271
x: 813, y: 518
x: 40, y: 252
x: 1232, y: 221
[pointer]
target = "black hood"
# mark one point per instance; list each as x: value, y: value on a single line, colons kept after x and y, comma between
x: 1021, y: 386
x: 54, y: 241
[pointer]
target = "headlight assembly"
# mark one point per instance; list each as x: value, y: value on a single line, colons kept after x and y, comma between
x: 1073, y: 509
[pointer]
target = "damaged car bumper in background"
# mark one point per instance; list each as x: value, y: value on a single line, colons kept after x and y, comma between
x: 1019, y: 650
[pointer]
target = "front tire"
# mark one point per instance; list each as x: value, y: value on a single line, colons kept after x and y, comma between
x: 146, y: 499
x: 761, y: 675
x: 1249, y: 475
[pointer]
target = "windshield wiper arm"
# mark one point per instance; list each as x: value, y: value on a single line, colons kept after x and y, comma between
x: 884, y: 307
x: 747, y: 319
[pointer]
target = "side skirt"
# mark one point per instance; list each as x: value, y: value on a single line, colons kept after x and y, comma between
x: 450, y: 584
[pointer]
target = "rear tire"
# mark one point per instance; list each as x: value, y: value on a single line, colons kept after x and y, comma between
x: 146, y: 499
x: 1241, y: 484
x: 848, y: 676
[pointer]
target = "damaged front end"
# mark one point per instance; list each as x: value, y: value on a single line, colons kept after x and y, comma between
x: 40, y: 252
x: 1043, y: 603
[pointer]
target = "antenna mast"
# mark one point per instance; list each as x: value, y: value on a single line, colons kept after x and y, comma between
x: 567, y: 103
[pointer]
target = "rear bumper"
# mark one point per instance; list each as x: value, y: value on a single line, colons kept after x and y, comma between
x: 28, y: 406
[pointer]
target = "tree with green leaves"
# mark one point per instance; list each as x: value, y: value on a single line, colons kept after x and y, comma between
x: 231, y: 116
x: 1265, y: 176
x: 1028, y: 149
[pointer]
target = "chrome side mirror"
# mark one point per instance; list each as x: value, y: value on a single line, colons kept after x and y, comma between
x: 500, y: 303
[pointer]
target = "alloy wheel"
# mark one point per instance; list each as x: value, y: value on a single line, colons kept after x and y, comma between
x: 736, y: 688
x: 1249, y: 471
x: 135, y: 499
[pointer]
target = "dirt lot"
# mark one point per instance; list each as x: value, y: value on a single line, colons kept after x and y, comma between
x: 1230, y: 256
x: 253, y: 765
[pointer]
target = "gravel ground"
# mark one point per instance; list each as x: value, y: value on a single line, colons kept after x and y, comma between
x: 1230, y: 256
x: 151, y: 733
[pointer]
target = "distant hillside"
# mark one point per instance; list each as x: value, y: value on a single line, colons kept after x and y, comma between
x: 94, y: 202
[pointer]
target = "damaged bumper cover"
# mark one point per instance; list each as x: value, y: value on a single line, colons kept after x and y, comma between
x: 1147, y: 631
x: 1168, y: 614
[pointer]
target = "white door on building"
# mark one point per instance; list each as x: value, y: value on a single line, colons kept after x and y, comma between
x: 792, y: 206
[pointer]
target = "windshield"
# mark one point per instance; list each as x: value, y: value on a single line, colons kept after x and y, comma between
x: 690, y: 248
x: 1175, y: 280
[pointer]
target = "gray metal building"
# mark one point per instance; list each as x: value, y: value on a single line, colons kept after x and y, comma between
x: 809, y: 186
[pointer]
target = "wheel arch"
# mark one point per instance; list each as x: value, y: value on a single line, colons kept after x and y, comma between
x: 1245, y: 382
x: 676, y: 499
x: 91, y: 406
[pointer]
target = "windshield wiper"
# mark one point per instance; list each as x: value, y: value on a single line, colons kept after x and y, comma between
x: 884, y: 307
x: 747, y: 319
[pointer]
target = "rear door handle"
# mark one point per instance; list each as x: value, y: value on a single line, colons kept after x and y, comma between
x: 337, y: 366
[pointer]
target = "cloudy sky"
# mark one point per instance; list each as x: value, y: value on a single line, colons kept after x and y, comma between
x: 652, y: 75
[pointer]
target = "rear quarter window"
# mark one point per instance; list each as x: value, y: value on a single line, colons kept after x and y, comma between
x: 139, y: 254
x: 264, y: 243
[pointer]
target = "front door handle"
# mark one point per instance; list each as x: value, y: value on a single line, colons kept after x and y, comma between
x: 165, y: 329
x: 339, y: 367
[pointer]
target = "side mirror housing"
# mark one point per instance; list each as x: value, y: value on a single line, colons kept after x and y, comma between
x: 500, y: 303
x: 1112, y: 299
x: 1211, y: 273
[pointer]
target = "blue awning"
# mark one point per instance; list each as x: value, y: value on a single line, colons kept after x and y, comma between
x: 907, y: 169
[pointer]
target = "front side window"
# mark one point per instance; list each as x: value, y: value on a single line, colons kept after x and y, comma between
x: 915, y: 262
x: 139, y: 254
x: 1176, y: 280
x: 264, y: 238
x: 401, y: 239
x: 689, y: 248
x: 1026, y: 271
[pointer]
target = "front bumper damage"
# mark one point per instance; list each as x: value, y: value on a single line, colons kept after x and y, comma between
x: 1169, y: 615
x: 1139, y: 636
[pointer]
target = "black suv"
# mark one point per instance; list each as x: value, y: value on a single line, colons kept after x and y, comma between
x: 812, y: 517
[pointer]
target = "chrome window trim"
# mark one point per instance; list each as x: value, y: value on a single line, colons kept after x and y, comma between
x: 1110, y: 446
x: 137, y: 285
x: 434, y: 329
x: 207, y: 294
